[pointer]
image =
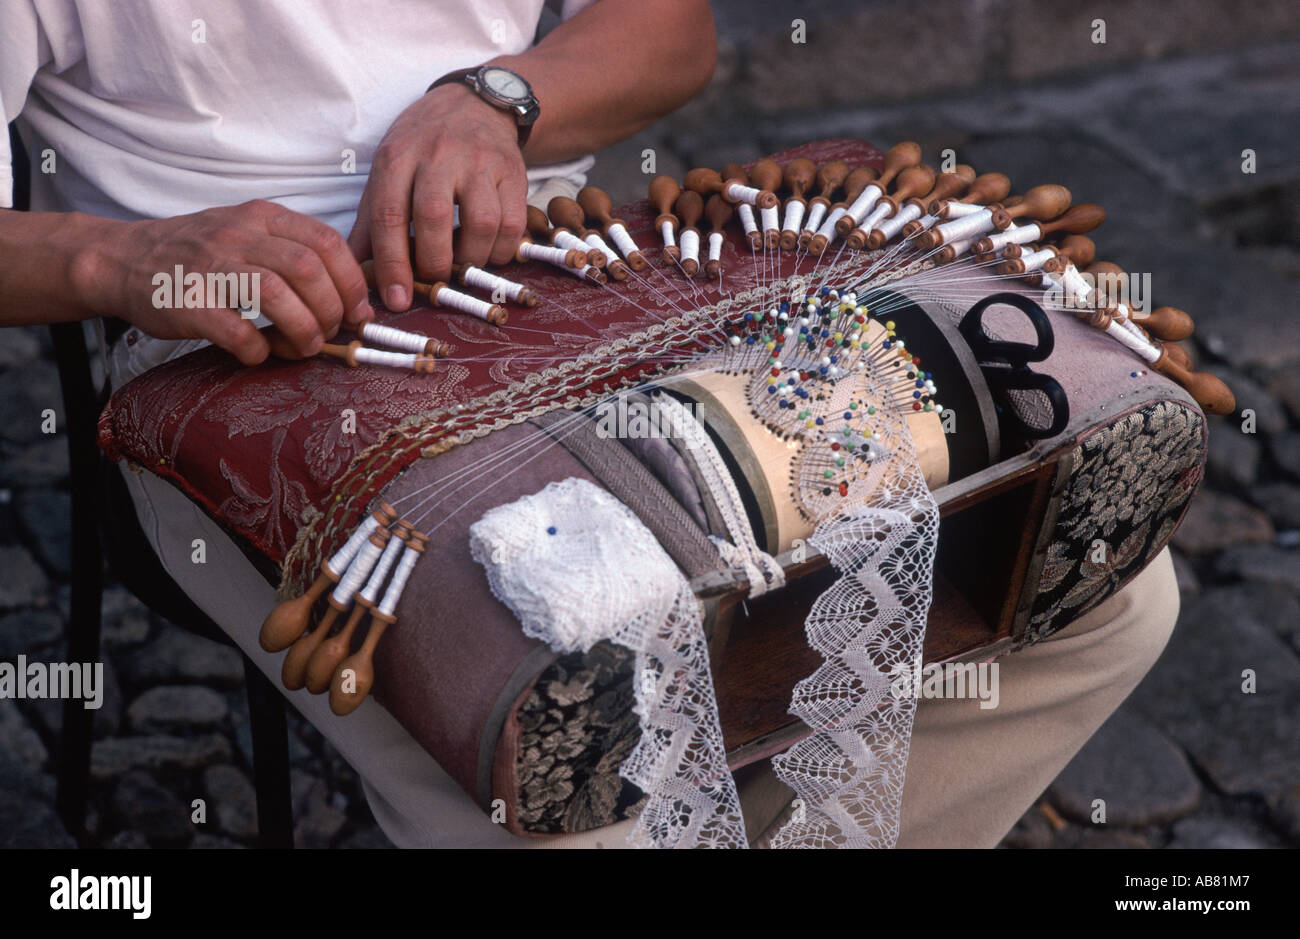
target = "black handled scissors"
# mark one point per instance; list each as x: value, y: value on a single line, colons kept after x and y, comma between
x: 1006, y: 364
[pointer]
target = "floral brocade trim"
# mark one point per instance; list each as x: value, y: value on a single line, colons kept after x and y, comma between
x: 1130, y: 484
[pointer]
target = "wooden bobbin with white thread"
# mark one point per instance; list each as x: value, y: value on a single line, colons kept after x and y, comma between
x: 597, y: 204
x: 719, y: 212
x: 745, y: 211
x: 799, y: 176
x: 946, y: 185
x: 689, y: 208
x: 735, y: 190
x: 494, y: 284
x: 909, y: 184
x: 539, y: 227
x: 900, y: 157
x: 664, y: 191
x: 355, y: 354
x: 290, y: 618
x: 530, y: 250
x: 440, y: 295
x: 293, y: 671
x: 1080, y: 218
x: 854, y: 184
x: 830, y: 177
x: 568, y: 213
x: 356, y: 673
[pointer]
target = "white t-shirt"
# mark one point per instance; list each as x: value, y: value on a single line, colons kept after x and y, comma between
x: 156, y: 108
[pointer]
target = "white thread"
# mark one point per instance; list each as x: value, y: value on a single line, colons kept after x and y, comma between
x: 666, y: 230
x: 463, y: 302
x: 827, y: 230
x: 343, y: 557
x: 815, y: 215
x: 771, y: 219
x: 969, y: 226
x: 597, y: 242
x: 690, y: 244
x: 532, y: 251
x: 747, y: 222
x: 385, y: 358
x: 358, y: 571
x: 894, y: 224
x: 376, y: 582
x: 1034, y: 260
x: 865, y: 201
x: 794, y: 210
x: 569, y: 241
x: 400, y: 577
x: 715, y: 246
x: 877, y: 215
x: 623, y: 239
x: 747, y: 194
x: 1015, y: 235
x: 962, y: 209
x: 492, y: 283
x: 394, y: 338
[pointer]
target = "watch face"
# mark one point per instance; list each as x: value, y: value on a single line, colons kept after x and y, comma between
x: 505, y: 84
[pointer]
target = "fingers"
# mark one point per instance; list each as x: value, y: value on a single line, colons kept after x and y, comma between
x: 480, y: 219
x: 390, y: 225
x: 513, y: 192
x: 342, y: 269
x: 228, y: 330
x: 309, y: 288
x: 433, y: 213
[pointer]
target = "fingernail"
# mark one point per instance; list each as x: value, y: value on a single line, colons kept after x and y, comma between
x: 361, y: 313
x: 395, y: 297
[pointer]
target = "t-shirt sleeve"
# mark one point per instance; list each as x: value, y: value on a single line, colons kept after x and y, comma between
x: 23, y: 50
x: 567, y: 9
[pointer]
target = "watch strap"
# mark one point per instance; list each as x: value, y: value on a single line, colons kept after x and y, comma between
x: 465, y: 76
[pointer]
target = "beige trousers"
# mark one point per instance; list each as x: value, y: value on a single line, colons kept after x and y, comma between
x: 971, y: 774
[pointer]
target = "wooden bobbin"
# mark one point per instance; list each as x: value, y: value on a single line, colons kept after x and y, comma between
x: 706, y: 182
x: 946, y: 186
x: 1165, y: 322
x: 526, y: 296
x: 352, y: 351
x: 737, y: 172
x: 496, y: 315
x: 854, y: 183
x: 689, y: 208
x: 985, y: 189
x: 799, y: 176
x: 830, y: 177
x: 289, y: 619
x: 910, y: 183
x: 663, y: 193
x: 567, y: 214
x: 1081, y: 218
x: 1041, y: 203
x: 597, y: 204
x: 361, y: 663
x: 719, y: 212
x: 900, y: 157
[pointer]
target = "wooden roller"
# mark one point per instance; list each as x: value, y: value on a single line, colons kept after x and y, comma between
x: 663, y: 193
x: 597, y: 204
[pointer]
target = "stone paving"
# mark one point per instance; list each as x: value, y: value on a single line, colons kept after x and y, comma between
x: 1188, y: 761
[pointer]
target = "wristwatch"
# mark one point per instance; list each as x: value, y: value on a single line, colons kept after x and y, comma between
x: 502, y: 89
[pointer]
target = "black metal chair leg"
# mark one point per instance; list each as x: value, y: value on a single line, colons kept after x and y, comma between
x: 87, y: 572
x: 270, y: 759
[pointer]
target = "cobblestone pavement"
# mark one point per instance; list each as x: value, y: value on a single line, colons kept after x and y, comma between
x: 1189, y: 761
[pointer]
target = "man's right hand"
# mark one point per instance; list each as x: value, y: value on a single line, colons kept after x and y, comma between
x: 310, y: 283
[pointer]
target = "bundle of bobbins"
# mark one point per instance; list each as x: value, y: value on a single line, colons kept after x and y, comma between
x: 909, y: 213
x: 367, y: 576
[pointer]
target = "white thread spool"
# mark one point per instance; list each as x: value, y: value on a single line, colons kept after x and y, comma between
x: 356, y: 575
x: 894, y: 224
x: 569, y: 241
x: 970, y: 226
x: 622, y: 239
x: 958, y: 248
x: 690, y: 245
x: 1034, y: 260
x: 962, y: 209
x: 815, y: 215
x: 388, y: 359
x: 827, y: 230
x: 393, y: 338
x: 747, y: 220
x: 343, y: 557
x: 715, y: 246
x: 1015, y: 235
x: 666, y: 230
x: 794, y: 210
x: 1134, y: 341
x: 1075, y: 284
x: 492, y: 283
x: 771, y: 219
x: 531, y: 251
x: 865, y: 201
x: 386, y: 560
x: 746, y: 194
x: 398, y: 584
x: 875, y: 217
x: 445, y: 296
x: 595, y: 241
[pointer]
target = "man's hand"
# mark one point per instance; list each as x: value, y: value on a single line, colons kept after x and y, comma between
x: 450, y: 148
x: 309, y: 281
